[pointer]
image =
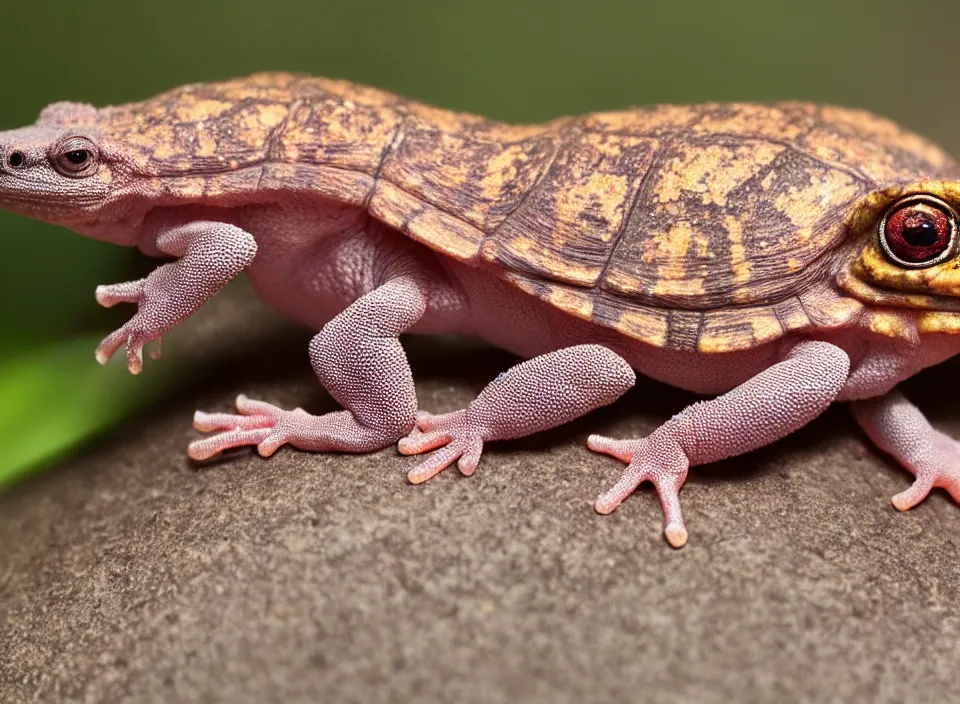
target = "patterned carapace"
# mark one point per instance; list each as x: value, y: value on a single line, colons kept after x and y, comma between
x: 712, y: 228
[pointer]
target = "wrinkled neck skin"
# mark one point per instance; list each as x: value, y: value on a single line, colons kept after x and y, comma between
x: 126, y: 233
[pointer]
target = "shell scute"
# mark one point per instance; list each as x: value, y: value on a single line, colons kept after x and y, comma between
x: 470, y: 174
x: 330, y: 132
x: 729, y: 222
x: 202, y: 128
x: 565, y: 228
x: 729, y: 330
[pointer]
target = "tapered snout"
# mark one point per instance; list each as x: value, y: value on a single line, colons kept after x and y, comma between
x: 31, y: 183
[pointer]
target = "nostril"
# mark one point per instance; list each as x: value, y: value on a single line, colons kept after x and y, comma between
x: 16, y: 159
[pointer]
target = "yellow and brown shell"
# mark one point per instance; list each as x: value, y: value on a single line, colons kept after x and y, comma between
x: 697, y: 228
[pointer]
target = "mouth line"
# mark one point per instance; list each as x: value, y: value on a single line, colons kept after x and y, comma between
x: 45, y: 199
x: 872, y: 293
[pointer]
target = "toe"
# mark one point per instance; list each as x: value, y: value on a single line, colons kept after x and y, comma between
x: 676, y: 534
x: 110, y: 344
x: 134, y: 356
x: 915, y: 494
x: 668, y: 489
x: 112, y: 294
x: 434, y: 464
x: 210, y: 422
x: 208, y: 447
x: 631, y: 478
x: 418, y: 442
x: 471, y: 458
x: 271, y: 444
x: 623, y: 450
x: 248, y: 407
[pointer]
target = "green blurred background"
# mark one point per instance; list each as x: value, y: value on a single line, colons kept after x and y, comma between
x: 511, y: 59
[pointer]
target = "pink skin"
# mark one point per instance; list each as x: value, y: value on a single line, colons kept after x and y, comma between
x: 899, y: 428
x: 363, y: 284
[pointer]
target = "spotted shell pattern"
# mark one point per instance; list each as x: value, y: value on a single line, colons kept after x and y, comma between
x: 688, y: 227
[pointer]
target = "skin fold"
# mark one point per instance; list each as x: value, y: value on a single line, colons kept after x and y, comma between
x: 851, y: 323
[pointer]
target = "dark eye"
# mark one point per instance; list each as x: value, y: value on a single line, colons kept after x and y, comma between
x: 78, y: 157
x: 16, y: 159
x: 919, y: 231
x: 75, y: 157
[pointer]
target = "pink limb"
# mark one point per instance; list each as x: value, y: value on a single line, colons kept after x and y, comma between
x: 359, y: 360
x: 898, y: 427
x: 771, y: 405
x: 210, y: 255
x: 538, y: 394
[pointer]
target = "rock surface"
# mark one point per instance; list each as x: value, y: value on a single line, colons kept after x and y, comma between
x: 128, y: 574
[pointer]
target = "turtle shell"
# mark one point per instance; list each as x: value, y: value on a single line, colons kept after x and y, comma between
x: 688, y: 227
x: 691, y: 228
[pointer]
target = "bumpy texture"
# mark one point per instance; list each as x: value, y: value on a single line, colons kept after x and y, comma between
x: 209, y: 256
x: 359, y: 360
x: 728, y: 249
x: 533, y: 396
x: 764, y: 409
x: 899, y: 428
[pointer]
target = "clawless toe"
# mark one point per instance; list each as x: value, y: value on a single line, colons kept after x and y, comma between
x: 460, y: 440
x: 654, y: 459
x: 898, y: 427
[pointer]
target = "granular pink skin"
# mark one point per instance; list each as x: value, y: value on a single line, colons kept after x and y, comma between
x: 362, y: 284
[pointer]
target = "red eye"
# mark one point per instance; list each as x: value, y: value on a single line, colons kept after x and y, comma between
x: 918, y: 231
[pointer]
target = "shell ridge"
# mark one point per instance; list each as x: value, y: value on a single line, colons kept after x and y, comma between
x: 387, y: 151
x: 570, y: 131
x: 655, y: 163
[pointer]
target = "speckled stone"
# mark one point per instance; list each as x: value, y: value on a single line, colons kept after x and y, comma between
x: 129, y: 574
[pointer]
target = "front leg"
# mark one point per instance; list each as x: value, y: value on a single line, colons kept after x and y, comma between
x: 771, y: 405
x: 898, y: 427
x: 358, y: 358
x: 210, y: 255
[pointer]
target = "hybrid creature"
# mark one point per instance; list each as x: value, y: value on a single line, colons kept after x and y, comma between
x: 776, y: 258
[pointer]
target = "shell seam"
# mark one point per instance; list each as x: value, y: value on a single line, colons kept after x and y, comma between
x: 270, y: 141
x: 391, y: 148
x: 658, y: 158
x: 573, y: 129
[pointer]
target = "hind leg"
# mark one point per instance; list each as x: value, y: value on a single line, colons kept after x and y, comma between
x: 771, y: 405
x: 898, y: 427
x: 538, y: 394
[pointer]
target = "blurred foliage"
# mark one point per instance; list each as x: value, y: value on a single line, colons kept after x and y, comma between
x: 519, y: 60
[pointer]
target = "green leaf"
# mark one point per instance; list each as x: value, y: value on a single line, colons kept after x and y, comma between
x: 54, y: 397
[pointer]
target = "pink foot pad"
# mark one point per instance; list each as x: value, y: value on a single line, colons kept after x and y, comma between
x: 453, y: 432
x: 652, y: 459
x: 258, y: 423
